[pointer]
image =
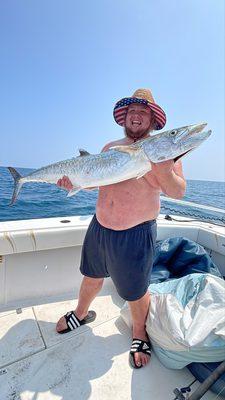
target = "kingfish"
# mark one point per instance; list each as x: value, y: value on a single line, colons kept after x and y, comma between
x: 117, y: 164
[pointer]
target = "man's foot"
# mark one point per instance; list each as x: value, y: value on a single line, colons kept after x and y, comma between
x: 140, y: 351
x: 70, y: 321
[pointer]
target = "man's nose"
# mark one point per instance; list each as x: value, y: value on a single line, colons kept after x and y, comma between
x: 136, y: 114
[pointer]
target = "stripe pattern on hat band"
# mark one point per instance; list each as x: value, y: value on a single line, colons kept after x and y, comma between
x: 120, y: 111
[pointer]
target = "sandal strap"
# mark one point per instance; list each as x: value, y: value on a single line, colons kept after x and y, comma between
x: 72, y: 321
x: 142, y: 346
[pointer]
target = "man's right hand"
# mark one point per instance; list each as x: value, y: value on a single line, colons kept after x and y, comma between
x: 65, y: 183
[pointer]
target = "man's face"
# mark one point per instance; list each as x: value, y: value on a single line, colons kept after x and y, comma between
x: 138, y: 121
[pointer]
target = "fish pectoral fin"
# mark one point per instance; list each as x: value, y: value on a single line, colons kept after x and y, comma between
x: 143, y: 173
x: 73, y: 191
x: 126, y: 149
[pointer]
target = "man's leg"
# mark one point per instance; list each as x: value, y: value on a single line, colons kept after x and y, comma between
x: 88, y: 291
x: 139, y: 310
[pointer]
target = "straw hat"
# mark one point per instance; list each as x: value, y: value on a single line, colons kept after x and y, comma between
x: 141, y: 96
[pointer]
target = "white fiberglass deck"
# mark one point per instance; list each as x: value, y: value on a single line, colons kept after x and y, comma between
x: 89, y: 363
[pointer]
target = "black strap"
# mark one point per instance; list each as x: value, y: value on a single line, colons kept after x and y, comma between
x: 72, y: 321
x: 142, y: 346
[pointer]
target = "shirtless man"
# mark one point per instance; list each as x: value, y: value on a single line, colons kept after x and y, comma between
x: 120, y: 240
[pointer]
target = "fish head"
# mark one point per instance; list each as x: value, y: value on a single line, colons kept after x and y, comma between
x: 175, y: 143
x: 188, y: 138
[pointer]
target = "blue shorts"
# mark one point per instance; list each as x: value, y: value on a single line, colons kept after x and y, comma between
x: 126, y: 256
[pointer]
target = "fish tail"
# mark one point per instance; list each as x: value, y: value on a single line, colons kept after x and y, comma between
x: 17, y: 184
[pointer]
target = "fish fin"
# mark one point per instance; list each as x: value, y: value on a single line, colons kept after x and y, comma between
x: 126, y: 149
x: 83, y: 152
x: 143, y: 173
x: 17, y: 184
x: 73, y: 191
x: 90, y: 188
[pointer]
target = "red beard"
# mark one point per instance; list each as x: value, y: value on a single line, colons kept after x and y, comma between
x: 136, y: 136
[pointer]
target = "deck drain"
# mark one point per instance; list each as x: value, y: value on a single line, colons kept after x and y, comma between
x: 65, y: 221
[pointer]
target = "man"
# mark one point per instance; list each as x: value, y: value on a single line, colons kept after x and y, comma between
x: 121, y: 238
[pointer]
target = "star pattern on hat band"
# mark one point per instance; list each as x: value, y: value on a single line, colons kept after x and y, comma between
x: 127, y: 102
x: 120, y: 111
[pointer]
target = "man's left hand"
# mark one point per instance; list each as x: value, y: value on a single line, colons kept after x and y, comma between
x: 162, y: 168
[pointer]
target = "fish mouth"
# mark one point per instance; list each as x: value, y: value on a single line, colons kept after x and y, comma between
x: 192, y: 135
x: 191, y: 141
x: 181, y: 155
x: 189, y: 131
x: 197, y: 130
x: 193, y: 138
x: 198, y: 127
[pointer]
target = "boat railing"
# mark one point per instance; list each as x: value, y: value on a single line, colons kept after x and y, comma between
x: 194, y: 210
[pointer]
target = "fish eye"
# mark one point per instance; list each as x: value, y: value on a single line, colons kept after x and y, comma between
x: 173, y: 132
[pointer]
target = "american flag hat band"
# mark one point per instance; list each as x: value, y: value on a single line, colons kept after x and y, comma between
x: 120, y: 109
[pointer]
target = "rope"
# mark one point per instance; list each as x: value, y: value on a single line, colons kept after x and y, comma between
x: 169, y: 218
x: 196, y: 214
x: 191, y: 204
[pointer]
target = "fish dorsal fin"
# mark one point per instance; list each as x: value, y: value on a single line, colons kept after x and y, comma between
x: 126, y: 149
x: 83, y: 153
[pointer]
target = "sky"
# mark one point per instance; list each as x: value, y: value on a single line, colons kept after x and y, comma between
x: 64, y: 65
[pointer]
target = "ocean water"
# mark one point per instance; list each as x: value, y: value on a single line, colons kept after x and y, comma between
x: 42, y: 200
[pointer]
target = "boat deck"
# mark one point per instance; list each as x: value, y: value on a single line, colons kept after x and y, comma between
x: 89, y: 363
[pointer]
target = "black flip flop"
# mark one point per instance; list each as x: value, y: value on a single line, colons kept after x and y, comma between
x: 73, y: 322
x: 137, y: 346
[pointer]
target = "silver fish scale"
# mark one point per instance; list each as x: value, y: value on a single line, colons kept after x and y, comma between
x: 51, y: 173
x: 105, y: 168
x: 159, y: 149
x: 96, y: 169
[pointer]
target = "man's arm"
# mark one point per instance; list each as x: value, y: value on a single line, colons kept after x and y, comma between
x: 170, y: 178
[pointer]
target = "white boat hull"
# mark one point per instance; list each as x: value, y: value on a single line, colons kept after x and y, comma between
x: 40, y: 258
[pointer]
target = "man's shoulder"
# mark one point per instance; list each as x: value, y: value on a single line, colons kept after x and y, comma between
x: 114, y: 143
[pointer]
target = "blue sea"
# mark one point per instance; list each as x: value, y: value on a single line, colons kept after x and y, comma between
x: 41, y: 200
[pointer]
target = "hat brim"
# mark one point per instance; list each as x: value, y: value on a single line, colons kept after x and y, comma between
x: 120, y: 111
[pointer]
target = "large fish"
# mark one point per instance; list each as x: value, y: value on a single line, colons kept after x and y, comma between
x: 118, y: 163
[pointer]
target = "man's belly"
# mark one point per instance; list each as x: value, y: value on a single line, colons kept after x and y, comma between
x: 126, y: 204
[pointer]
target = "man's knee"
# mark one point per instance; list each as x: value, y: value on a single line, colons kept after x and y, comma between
x: 143, y: 298
x: 94, y: 282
